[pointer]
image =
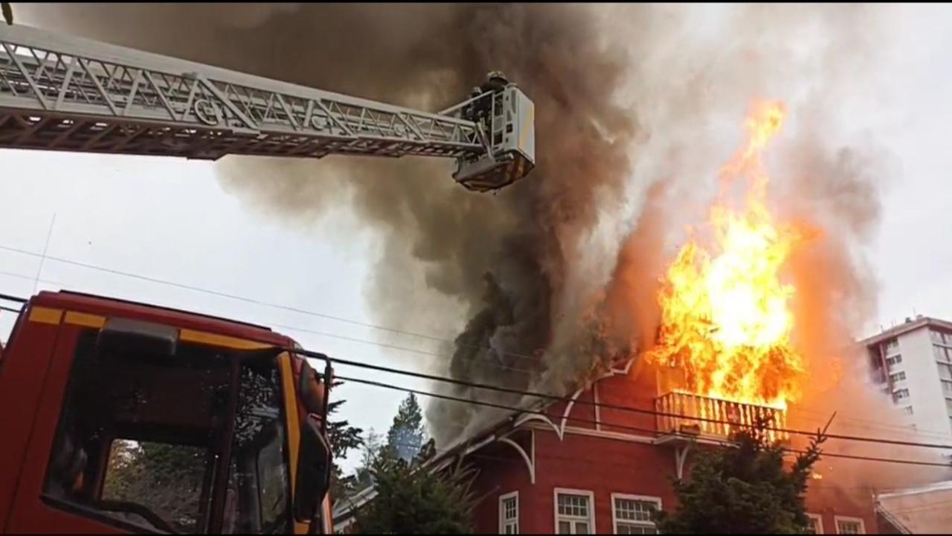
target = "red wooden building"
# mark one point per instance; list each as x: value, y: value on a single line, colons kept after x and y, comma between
x: 583, y: 467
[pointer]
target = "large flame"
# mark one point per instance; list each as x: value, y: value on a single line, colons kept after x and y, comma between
x: 726, y: 316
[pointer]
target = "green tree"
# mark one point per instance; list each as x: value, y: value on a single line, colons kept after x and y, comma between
x: 743, y: 488
x: 406, y: 435
x: 371, y: 447
x: 343, y: 438
x: 7, y: 12
x: 413, y: 500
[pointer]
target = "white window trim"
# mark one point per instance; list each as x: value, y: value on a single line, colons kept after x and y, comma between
x: 819, y: 521
x: 837, y: 519
x: 568, y: 491
x: 624, y: 496
x: 502, y: 511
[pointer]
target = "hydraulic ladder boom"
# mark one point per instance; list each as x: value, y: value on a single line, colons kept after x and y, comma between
x: 68, y: 94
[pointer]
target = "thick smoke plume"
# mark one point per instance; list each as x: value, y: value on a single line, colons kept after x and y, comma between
x: 637, y: 108
x: 506, y: 261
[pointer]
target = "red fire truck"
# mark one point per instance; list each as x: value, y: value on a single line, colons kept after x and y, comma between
x: 124, y: 417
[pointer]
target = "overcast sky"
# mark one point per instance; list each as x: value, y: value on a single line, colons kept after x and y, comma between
x: 169, y: 220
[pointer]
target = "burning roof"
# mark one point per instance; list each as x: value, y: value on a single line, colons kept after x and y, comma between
x: 726, y: 315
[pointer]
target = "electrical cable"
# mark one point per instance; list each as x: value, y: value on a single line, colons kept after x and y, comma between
x: 874, y: 425
x: 253, y: 301
x: 654, y: 433
x: 555, y: 398
x: 473, y: 385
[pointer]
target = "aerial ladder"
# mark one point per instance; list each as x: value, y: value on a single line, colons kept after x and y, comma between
x: 64, y: 93
x: 81, y: 376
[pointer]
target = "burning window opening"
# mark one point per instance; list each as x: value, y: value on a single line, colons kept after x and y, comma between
x: 723, y: 349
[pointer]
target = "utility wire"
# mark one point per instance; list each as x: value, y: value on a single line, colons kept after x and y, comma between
x: 870, y: 425
x: 555, y: 398
x: 620, y: 426
x: 254, y: 301
x: 344, y: 320
x: 474, y: 385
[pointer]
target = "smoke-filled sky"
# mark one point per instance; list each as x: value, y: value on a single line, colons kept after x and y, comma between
x: 633, y: 103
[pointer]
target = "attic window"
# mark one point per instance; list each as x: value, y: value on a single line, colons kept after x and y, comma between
x: 850, y: 525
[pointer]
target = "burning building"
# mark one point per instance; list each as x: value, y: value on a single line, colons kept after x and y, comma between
x: 600, y: 461
x: 723, y: 358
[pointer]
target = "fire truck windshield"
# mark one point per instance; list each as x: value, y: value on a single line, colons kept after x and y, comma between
x: 190, y: 443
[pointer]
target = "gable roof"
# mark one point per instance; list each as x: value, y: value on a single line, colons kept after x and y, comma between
x: 466, y: 445
x: 921, y: 510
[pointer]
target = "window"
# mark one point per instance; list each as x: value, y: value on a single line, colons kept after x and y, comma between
x: 907, y: 410
x: 894, y: 360
x: 849, y: 525
x: 573, y: 512
x: 163, y: 477
x: 258, y: 495
x: 632, y: 514
x: 948, y: 405
x: 897, y: 377
x: 509, y: 513
x: 935, y: 335
x: 945, y: 371
x: 816, y: 523
x: 900, y: 394
x: 892, y: 346
x: 140, y: 438
x: 938, y: 352
x: 946, y: 387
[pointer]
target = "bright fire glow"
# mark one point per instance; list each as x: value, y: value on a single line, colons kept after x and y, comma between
x: 726, y: 317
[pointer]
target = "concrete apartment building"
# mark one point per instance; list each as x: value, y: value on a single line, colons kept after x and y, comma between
x: 913, y: 363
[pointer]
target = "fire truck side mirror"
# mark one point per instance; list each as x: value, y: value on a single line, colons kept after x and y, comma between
x: 313, y: 392
x: 313, y: 477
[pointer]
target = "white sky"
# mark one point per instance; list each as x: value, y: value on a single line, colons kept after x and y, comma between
x: 168, y: 219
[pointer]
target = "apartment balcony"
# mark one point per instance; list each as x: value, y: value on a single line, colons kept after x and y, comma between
x: 688, y: 415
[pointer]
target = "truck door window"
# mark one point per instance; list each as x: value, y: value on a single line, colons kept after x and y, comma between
x: 137, y: 437
x: 258, y: 500
x: 163, y: 477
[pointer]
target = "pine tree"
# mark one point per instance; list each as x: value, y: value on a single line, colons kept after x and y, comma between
x: 407, y: 435
x: 343, y: 438
x: 413, y: 500
x: 372, y: 447
x: 743, y: 489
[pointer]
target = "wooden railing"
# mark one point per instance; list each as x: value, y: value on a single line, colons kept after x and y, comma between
x: 690, y: 414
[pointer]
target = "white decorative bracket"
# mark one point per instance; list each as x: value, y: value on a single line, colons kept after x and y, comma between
x: 568, y: 410
x: 537, y: 417
x: 530, y: 460
x: 680, y: 456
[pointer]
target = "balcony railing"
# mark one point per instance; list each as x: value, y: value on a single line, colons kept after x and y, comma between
x: 684, y: 413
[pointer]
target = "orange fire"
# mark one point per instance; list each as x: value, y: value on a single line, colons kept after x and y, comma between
x: 726, y: 316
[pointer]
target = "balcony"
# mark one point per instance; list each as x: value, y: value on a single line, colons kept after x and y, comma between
x: 685, y: 414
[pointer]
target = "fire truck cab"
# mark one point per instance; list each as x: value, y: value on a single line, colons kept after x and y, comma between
x: 120, y: 417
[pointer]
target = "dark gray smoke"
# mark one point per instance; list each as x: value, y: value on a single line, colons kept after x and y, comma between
x: 503, y: 259
x: 536, y: 270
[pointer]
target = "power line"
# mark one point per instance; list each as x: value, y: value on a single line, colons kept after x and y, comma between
x: 624, y: 427
x: 555, y: 398
x: 321, y: 333
x: 256, y: 302
x: 875, y: 424
x: 450, y: 380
